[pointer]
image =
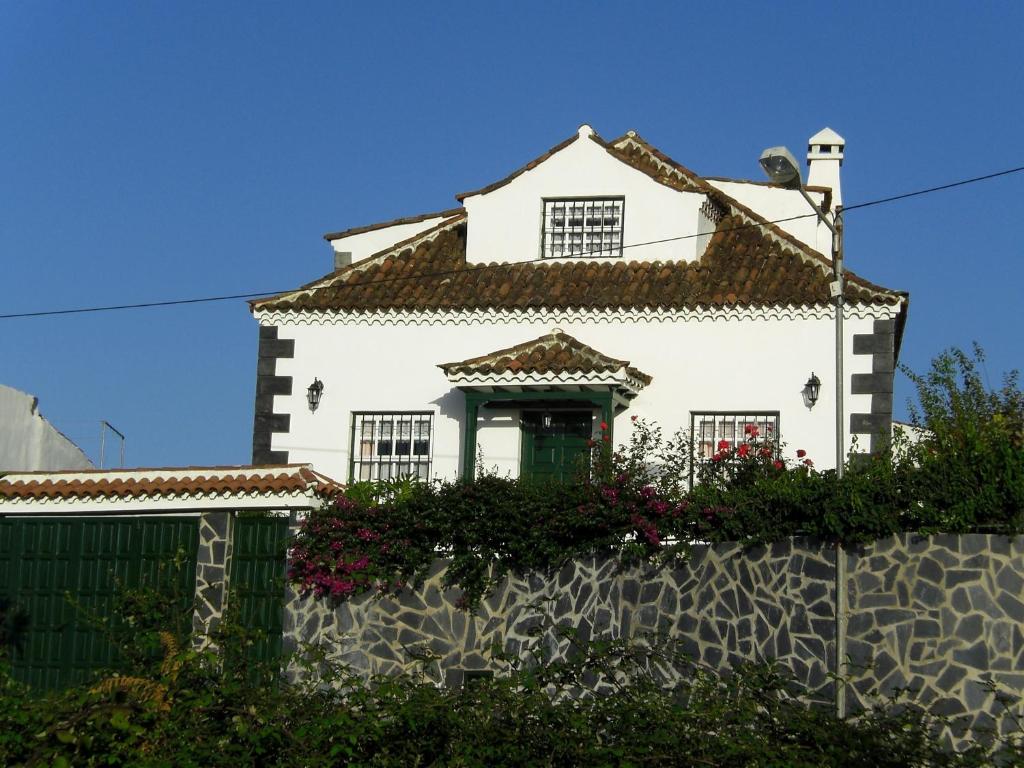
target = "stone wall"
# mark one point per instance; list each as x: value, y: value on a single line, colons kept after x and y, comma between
x: 937, y: 616
x: 213, y: 561
x: 724, y: 606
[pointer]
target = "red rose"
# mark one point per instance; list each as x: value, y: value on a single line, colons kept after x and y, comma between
x: 723, y: 445
x: 766, y: 451
x: 743, y: 451
x: 633, y: 417
x: 800, y: 453
x: 751, y: 429
x: 808, y: 463
x: 590, y: 443
x: 777, y: 464
x: 604, y: 426
x: 606, y: 438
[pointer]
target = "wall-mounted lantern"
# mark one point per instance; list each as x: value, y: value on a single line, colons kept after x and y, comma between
x: 313, y: 394
x: 811, y: 390
x: 546, y: 419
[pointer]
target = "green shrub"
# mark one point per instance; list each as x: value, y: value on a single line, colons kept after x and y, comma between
x: 657, y: 709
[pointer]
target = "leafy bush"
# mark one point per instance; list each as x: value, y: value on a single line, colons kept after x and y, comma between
x: 657, y: 710
x: 970, y: 463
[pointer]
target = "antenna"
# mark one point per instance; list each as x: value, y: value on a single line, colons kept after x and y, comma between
x: 104, y: 426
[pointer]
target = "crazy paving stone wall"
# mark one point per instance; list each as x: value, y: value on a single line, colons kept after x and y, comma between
x: 213, y: 561
x: 725, y: 605
x: 940, y: 616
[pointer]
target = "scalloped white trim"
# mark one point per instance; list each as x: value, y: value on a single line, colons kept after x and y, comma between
x: 157, y: 503
x: 618, y: 378
x: 547, y: 316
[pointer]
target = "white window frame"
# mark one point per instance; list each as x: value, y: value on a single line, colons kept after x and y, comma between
x: 582, y: 227
x: 387, y: 445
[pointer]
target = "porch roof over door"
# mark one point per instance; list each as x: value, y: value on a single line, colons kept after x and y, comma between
x: 553, y: 362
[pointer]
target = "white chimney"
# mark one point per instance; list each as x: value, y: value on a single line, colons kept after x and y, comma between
x: 825, y: 158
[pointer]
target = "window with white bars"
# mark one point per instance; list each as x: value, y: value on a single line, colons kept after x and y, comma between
x: 583, y: 227
x: 387, y: 446
x: 709, y: 430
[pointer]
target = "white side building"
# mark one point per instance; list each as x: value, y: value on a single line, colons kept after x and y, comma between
x: 28, y: 442
x: 600, y: 281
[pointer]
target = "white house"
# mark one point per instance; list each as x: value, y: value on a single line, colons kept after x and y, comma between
x: 601, y: 280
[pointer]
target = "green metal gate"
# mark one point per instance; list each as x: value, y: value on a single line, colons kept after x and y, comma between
x: 257, y: 581
x: 66, y: 572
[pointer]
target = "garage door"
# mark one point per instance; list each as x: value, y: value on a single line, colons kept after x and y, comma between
x: 65, y: 573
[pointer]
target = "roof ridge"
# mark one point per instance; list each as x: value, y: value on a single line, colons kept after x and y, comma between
x: 181, y: 469
x: 784, y: 238
x: 391, y: 223
x: 532, y: 163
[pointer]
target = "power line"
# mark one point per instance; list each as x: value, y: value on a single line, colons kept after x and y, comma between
x: 919, y: 192
x: 209, y: 299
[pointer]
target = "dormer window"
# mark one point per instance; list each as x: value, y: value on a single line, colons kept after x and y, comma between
x: 580, y: 227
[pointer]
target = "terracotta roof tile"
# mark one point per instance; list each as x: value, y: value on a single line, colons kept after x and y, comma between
x: 748, y: 262
x: 166, y: 481
x: 742, y: 266
x: 555, y: 353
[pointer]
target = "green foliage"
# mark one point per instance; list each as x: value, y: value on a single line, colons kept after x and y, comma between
x: 655, y: 708
x: 14, y: 624
x: 970, y: 464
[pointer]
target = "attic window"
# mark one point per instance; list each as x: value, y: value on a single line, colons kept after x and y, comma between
x: 579, y: 227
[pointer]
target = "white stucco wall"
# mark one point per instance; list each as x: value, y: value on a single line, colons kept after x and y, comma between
x: 704, y: 365
x: 28, y: 442
x: 776, y: 203
x: 368, y: 243
x: 507, y: 221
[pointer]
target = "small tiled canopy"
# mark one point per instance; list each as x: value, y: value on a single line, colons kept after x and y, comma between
x: 555, y: 358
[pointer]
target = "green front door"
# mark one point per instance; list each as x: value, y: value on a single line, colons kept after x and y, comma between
x: 558, y: 450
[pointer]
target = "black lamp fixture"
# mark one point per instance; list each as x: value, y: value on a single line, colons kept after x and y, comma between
x: 313, y: 394
x: 811, y: 390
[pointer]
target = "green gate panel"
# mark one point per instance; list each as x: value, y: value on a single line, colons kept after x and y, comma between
x: 257, y: 581
x: 66, y: 573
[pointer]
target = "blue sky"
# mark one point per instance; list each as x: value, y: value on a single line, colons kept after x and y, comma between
x: 153, y: 151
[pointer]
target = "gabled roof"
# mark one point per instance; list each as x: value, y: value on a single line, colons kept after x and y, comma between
x: 748, y: 262
x: 165, y: 482
x: 553, y: 354
x: 742, y: 266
